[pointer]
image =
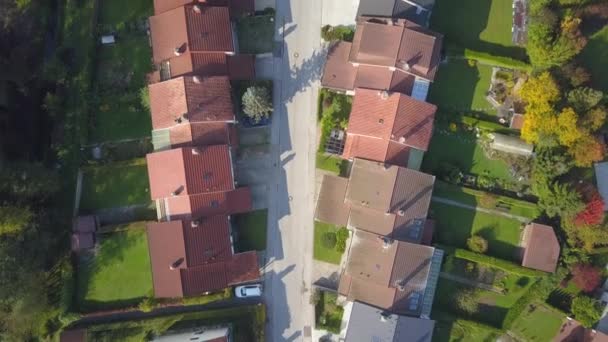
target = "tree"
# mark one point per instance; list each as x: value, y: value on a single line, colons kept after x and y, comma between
x: 586, y: 277
x: 584, y: 98
x: 593, y: 214
x: 257, y: 103
x: 477, y: 244
x: 576, y: 74
x: 594, y: 119
x: 587, y: 151
x: 550, y: 44
x: 568, y: 130
x: 540, y: 95
x: 28, y: 181
x: 559, y: 200
x: 467, y: 300
x: 549, y: 164
x: 14, y: 219
x: 586, y: 310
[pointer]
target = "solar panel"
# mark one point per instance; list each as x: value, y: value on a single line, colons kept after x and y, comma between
x: 420, y: 89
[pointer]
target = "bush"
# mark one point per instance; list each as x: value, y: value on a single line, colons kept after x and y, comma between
x: 467, y: 301
x: 586, y: 310
x: 497, y: 263
x: 341, y: 237
x: 333, y: 33
x: 147, y: 304
x: 450, y: 173
x: 486, y: 58
x: 477, y: 244
x: 329, y: 240
x: 586, y: 277
x: 488, y: 200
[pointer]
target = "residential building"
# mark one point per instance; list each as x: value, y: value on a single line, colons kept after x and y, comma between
x: 195, y: 181
x: 385, y: 54
x: 540, y: 248
x: 203, y: 334
x: 389, y: 127
x: 379, y: 198
x: 367, y: 323
x: 195, y: 257
x: 418, y: 11
x: 196, y: 39
x: 192, y: 111
x: 237, y: 7
x: 573, y: 331
x: 393, y: 275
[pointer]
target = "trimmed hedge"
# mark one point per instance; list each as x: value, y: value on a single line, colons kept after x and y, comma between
x: 487, y: 58
x: 497, y: 263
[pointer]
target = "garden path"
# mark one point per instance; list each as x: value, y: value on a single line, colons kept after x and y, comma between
x: 470, y: 282
x: 482, y: 210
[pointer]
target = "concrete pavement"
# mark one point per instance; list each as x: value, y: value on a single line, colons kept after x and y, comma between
x: 291, y: 197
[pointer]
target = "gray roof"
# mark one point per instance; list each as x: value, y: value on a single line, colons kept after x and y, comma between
x: 397, y: 9
x: 368, y: 323
x: 509, y: 144
x: 601, y: 177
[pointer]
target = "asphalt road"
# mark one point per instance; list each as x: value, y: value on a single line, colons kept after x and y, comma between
x: 290, y: 237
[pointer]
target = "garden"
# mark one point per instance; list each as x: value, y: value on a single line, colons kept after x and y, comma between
x: 122, y: 69
x: 250, y: 231
x: 115, y: 185
x: 538, y: 322
x: 449, y: 328
x: 329, y: 242
x: 328, y: 314
x: 594, y: 56
x: 256, y: 34
x: 333, y: 112
x: 117, y: 273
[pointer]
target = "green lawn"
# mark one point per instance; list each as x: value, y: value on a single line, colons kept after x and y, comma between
x: 460, y: 87
x: 595, y: 55
x: 331, y: 163
x: 119, y: 273
x: 461, y: 149
x: 116, y: 12
x: 449, y: 328
x: 251, y: 231
x: 328, y: 314
x: 455, y: 225
x: 538, y: 323
x: 483, y: 25
x: 115, y: 185
x: 255, y: 34
x: 321, y: 252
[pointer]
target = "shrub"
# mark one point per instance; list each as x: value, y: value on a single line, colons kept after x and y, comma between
x: 147, y: 304
x: 467, y: 301
x: 477, y: 244
x: 144, y: 98
x: 341, y: 237
x: 500, y: 61
x: 586, y: 277
x: 593, y: 213
x: 450, y: 173
x: 329, y: 240
x: 586, y: 310
x: 488, y: 200
x: 497, y: 263
x: 257, y: 103
x: 333, y: 33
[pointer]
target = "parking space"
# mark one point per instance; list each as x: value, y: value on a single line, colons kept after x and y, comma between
x: 253, y: 168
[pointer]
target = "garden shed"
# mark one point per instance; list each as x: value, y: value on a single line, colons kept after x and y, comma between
x: 510, y: 144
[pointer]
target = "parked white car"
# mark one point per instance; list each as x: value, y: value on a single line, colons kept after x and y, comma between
x: 247, y: 291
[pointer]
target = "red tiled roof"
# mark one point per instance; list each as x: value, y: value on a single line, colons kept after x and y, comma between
x: 338, y: 72
x: 167, y: 257
x: 191, y: 99
x: 244, y: 268
x: 241, y: 67
x: 216, y: 203
x: 201, y: 134
x: 541, y: 248
x: 236, y: 67
x: 517, y: 121
x: 381, y: 121
x: 207, y: 240
x: 237, y: 7
x: 190, y: 171
x: 184, y: 29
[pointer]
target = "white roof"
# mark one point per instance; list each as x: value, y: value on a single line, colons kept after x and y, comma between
x: 601, y: 178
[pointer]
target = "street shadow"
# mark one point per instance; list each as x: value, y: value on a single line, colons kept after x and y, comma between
x: 281, y: 313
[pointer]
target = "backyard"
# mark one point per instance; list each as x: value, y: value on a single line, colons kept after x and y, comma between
x: 470, y: 95
x: 251, y: 231
x: 538, y: 323
x: 324, y: 248
x: 255, y: 34
x: 117, y: 273
x: 487, y: 26
x: 455, y: 225
x: 328, y: 314
x: 594, y: 57
x: 449, y: 328
x: 122, y: 70
x: 115, y: 185
x: 332, y: 163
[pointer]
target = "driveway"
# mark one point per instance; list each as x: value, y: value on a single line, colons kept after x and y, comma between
x: 253, y: 168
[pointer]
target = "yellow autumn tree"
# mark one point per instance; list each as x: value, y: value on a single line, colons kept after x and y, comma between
x: 568, y: 130
x: 539, y: 93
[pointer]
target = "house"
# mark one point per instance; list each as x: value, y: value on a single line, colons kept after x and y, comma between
x: 386, y: 54
x: 192, y: 111
x: 383, y: 199
x: 418, y: 11
x: 196, y: 39
x: 237, y: 7
x: 393, y: 275
x: 517, y: 121
x: 83, y: 233
x: 601, y: 179
x: 389, y: 127
x: 573, y: 331
x: 367, y: 323
x: 540, y: 247
x: 510, y: 144
x: 193, y: 181
x: 195, y: 257
x: 202, y: 334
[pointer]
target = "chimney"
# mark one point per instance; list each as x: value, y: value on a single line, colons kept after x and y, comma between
x: 194, y: 223
x: 402, y: 140
x: 384, y: 316
x: 195, y: 151
x: 177, y: 51
x: 197, y: 8
x: 383, y: 94
x: 177, y: 191
x: 401, y: 212
x: 197, y: 79
x: 381, y: 121
x: 175, y: 265
x: 386, y: 242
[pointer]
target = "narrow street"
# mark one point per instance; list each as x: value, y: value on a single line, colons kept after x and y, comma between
x: 297, y: 70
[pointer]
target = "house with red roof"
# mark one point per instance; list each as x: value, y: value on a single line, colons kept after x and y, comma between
x: 389, y: 127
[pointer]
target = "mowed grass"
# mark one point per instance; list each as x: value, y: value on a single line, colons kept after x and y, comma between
x: 114, y: 12
x: 331, y: 163
x: 461, y: 87
x: 256, y: 34
x: 538, y: 323
x: 462, y: 150
x: 251, y: 230
x: 321, y: 252
x: 119, y: 273
x: 455, y: 225
x: 115, y: 185
x: 449, y: 328
x: 594, y: 57
x: 483, y: 25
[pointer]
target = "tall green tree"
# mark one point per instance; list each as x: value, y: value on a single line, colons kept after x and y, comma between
x: 586, y: 310
x: 559, y: 199
x: 257, y: 103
